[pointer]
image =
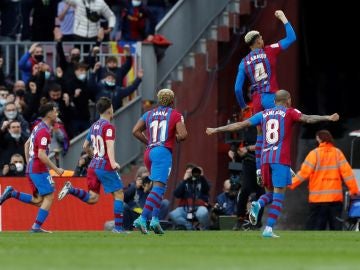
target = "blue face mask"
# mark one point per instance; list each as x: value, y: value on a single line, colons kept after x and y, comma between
x: 81, y: 77
x: 109, y: 83
x: 47, y: 75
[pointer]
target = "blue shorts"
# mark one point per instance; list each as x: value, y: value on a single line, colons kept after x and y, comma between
x: 110, y: 180
x: 276, y: 175
x: 43, y: 183
x: 161, y: 161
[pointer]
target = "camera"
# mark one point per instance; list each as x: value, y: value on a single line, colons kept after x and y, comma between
x: 195, y: 173
x: 93, y: 16
x: 12, y: 167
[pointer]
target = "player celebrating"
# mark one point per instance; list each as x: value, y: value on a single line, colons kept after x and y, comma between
x: 259, y: 66
x: 103, y: 167
x: 36, y: 154
x: 162, y: 126
x: 276, y: 126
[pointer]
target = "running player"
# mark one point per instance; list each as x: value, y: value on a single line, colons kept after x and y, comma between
x: 162, y: 125
x: 103, y: 167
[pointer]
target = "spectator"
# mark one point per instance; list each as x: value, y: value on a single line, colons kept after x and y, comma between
x: 87, y: 19
x: 35, y: 55
x: 43, y: 19
x: 2, y: 75
x: 12, y: 141
x: 137, y: 22
x: 107, y: 87
x: 135, y: 197
x: 10, y: 114
x: 16, y: 166
x: 83, y: 163
x: 112, y: 66
x: 193, y: 193
x: 326, y: 168
x: 158, y: 8
x: 65, y: 20
x: 3, y: 95
x: 59, y: 139
x: 79, y: 90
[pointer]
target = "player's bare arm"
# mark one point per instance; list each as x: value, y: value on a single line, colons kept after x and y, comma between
x: 138, y: 131
x: 110, y: 147
x: 311, y: 119
x: 230, y: 127
x: 45, y: 159
x: 281, y: 16
x: 181, y: 132
x: 26, y: 150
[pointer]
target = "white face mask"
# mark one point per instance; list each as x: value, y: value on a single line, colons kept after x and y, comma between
x: 16, y: 136
x: 136, y: 3
x: 81, y: 77
x: 10, y: 115
x: 19, y: 166
x: 2, y: 101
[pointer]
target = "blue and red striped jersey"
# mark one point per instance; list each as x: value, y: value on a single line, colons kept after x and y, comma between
x: 161, y: 126
x: 276, y: 126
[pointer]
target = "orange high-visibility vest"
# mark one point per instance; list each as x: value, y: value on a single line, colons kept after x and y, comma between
x: 326, y: 167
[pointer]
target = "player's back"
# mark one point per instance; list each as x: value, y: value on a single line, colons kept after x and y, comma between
x: 39, y: 139
x: 161, y: 126
x: 260, y: 68
x: 277, y: 125
x: 101, y: 131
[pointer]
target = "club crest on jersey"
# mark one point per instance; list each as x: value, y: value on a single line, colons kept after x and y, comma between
x: 161, y: 113
x: 43, y: 141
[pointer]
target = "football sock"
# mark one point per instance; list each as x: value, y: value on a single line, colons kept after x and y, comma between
x: 152, y: 201
x: 258, y: 145
x: 42, y: 215
x: 275, y: 209
x: 24, y: 197
x: 265, y: 199
x: 118, y: 213
x: 160, y: 191
x: 80, y: 193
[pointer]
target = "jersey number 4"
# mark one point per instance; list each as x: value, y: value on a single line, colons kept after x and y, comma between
x: 260, y: 72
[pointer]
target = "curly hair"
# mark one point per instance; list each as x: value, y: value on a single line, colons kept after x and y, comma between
x: 165, y: 97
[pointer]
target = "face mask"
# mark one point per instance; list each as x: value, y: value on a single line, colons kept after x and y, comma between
x: 2, y: 101
x: 16, y: 136
x: 19, y: 166
x: 81, y: 77
x: 136, y: 3
x: 109, y: 83
x: 75, y: 58
x: 39, y: 58
x: 47, y: 75
x: 10, y: 115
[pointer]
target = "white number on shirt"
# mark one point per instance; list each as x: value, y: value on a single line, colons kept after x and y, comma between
x: 98, y: 145
x: 31, y: 146
x: 155, y: 126
x: 260, y: 72
x: 272, y: 131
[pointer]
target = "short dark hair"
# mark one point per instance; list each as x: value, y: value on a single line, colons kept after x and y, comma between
x: 45, y: 108
x: 54, y: 87
x: 81, y: 65
x: 103, y: 104
x: 325, y: 136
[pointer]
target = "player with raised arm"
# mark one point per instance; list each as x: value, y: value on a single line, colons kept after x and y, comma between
x: 259, y: 66
x: 158, y: 129
x: 276, y: 124
x: 37, y: 171
x: 103, y: 167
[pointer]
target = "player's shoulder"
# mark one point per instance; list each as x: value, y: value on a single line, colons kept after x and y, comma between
x: 271, y: 47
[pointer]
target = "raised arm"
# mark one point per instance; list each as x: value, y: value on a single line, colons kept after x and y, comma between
x: 240, y: 78
x: 290, y: 33
x: 230, y: 127
x: 312, y: 119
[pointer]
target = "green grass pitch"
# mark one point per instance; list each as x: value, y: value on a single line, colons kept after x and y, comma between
x: 180, y: 250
